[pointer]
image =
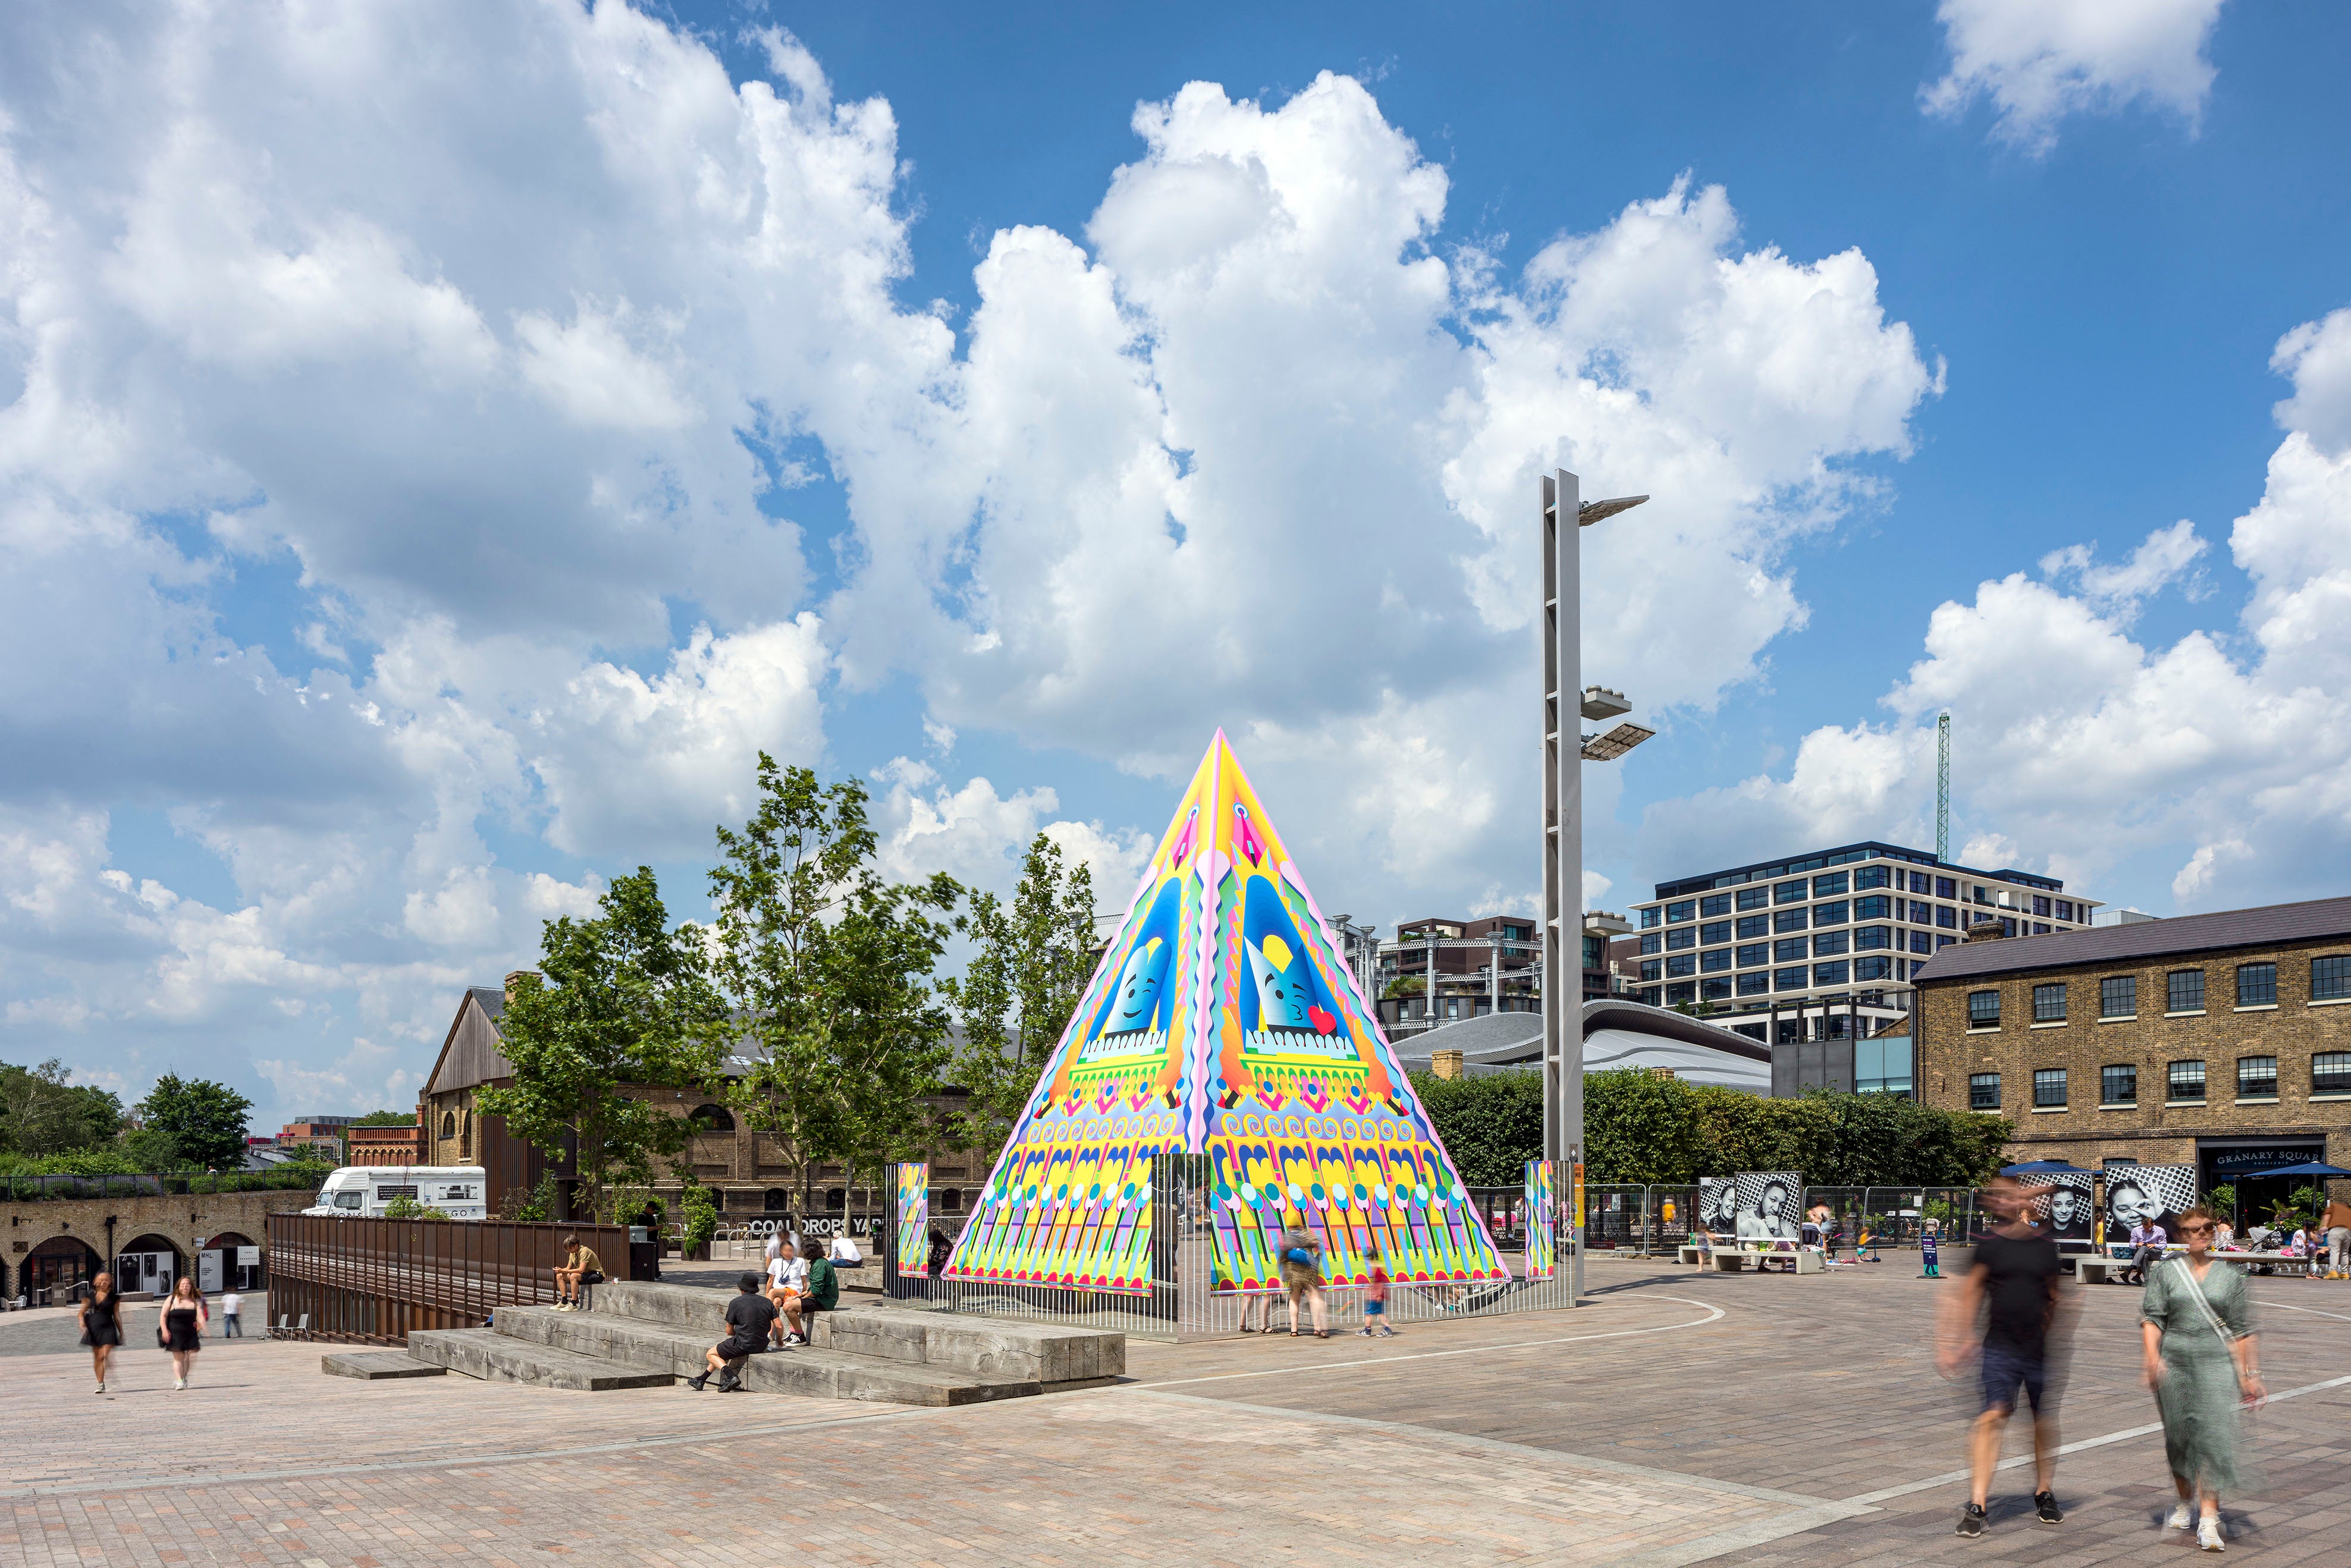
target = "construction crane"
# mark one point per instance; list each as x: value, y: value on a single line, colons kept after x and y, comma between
x: 1943, y: 789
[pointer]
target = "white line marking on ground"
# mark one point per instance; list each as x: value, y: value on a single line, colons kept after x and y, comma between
x: 1713, y: 1314
x: 2313, y: 1312
x: 2125, y: 1435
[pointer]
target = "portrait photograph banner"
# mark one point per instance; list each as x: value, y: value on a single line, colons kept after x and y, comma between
x: 2065, y: 1209
x: 2138, y: 1192
x: 1771, y: 1205
x: 1717, y: 1205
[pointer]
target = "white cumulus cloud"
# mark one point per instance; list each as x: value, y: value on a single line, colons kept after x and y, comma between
x: 2040, y: 60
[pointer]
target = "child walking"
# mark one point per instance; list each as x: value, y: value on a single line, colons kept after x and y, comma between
x: 1375, y: 1298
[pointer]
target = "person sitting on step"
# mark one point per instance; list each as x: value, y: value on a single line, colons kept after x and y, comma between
x: 748, y: 1317
x: 822, y: 1294
x: 580, y: 1266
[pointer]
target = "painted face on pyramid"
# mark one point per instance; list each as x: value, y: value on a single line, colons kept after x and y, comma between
x: 1282, y: 994
x: 1138, y: 987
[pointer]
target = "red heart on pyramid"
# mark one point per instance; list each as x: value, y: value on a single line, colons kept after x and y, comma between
x: 1323, y: 1022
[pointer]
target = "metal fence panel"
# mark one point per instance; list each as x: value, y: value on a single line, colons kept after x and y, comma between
x: 371, y: 1282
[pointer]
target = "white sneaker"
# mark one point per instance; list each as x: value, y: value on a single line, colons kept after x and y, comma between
x: 101, y: 1388
x: 179, y: 1383
x: 2182, y: 1518
x: 2208, y: 1535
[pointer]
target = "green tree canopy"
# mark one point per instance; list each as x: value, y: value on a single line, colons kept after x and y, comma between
x: 205, y: 1120
x: 1027, y: 974
x: 622, y: 999
x: 42, y: 1114
x: 825, y: 968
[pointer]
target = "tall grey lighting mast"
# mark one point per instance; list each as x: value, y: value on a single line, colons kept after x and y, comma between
x: 1565, y: 515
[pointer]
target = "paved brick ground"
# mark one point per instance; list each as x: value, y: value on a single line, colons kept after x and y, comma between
x: 1681, y: 1418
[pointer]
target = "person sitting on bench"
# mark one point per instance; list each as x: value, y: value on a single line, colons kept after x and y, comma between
x: 822, y: 1294
x: 580, y: 1266
x: 748, y: 1317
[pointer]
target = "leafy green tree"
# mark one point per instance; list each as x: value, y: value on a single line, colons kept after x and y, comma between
x: 1404, y: 985
x: 622, y: 999
x: 1027, y: 974
x: 825, y: 972
x: 1637, y: 1127
x: 1492, y: 1125
x: 42, y: 1114
x: 148, y: 1149
x: 205, y: 1120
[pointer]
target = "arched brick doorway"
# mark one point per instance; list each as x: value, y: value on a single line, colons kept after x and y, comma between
x: 57, y: 1268
x: 217, y: 1265
x: 148, y: 1262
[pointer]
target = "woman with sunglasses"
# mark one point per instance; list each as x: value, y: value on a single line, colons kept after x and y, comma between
x: 2202, y: 1361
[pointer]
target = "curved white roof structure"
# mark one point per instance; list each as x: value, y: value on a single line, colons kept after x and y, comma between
x: 1616, y: 1033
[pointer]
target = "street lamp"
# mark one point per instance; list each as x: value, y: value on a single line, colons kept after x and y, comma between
x: 1563, y: 929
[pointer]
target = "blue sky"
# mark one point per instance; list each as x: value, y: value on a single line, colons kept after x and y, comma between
x: 436, y: 451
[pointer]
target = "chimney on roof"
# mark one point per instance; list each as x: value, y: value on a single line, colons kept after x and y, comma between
x: 1985, y: 931
x: 516, y: 975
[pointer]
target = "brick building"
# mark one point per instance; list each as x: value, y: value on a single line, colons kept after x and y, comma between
x: 2218, y: 1040
x: 383, y: 1145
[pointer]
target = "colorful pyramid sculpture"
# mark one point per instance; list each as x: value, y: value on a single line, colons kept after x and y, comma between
x: 1222, y: 1022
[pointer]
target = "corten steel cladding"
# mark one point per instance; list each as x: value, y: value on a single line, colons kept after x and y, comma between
x: 372, y: 1281
x: 1223, y: 1022
x: 912, y: 1220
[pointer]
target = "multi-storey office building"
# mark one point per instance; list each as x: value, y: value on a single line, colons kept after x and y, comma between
x: 1831, y: 937
x: 2219, y: 1041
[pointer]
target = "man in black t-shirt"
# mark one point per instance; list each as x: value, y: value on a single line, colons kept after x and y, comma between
x: 2014, y: 1281
x: 749, y: 1317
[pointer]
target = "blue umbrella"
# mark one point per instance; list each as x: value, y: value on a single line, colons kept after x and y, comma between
x: 2050, y: 1167
x: 2308, y: 1168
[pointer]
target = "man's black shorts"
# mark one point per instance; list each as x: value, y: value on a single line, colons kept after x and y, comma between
x: 730, y: 1348
x: 2005, y: 1369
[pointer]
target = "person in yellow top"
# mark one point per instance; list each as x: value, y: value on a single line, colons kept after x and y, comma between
x: 580, y: 1266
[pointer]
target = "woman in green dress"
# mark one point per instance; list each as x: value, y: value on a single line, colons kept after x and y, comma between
x: 2203, y: 1362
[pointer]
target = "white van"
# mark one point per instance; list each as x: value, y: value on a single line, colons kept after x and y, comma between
x: 363, y: 1191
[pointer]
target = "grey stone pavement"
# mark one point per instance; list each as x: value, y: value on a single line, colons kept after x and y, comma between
x: 1679, y: 1417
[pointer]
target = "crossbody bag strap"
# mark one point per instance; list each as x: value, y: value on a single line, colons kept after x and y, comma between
x: 2196, y: 1292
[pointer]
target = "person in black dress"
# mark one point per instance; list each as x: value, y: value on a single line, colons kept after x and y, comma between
x: 101, y: 1325
x: 180, y: 1331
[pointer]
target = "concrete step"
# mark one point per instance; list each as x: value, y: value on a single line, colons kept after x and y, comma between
x: 375, y: 1366
x: 500, y: 1357
x: 814, y: 1370
x: 1045, y: 1354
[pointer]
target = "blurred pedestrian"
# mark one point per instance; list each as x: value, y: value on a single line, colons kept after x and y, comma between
x: 1301, y: 1280
x: 180, y: 1328
x: 2202, y: 1360
x: 101, y: 1325
x: 230, y: 1326
x: 1375, y: 1295
x: 2336, y: 1221
x: 2014, y: 1280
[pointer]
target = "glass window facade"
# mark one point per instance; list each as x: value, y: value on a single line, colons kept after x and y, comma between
x: 1922, y: 941
x: 1754, y: 897
x: 2184, y: 1080
x: 1921, y: 913
x: 2330, y: 1072
x: 1650, y: 916
x: 2040, y: 906
x: 1874, y: 877
x: 1882, y: 1066
x: 1681, y: 964
x: 1788, y: 920
x: 2183, y: 991
x: 1791, y: 979
x: 1791, y: 949
x: 2049, y: 1003
x: 1838, y: 974
x: 1874, y: 908
x: 2257, y: 984
x: 1654, y: 969
x: 1686, y: 937
x: 2118, y: 1085
x: 1677, y: 995
x: 1755, y: 985
x: 1686, y: 910
x: 1983, y: 1091
x: 1947, y: 887
x: 1865, y: 936
x: 1830, y: 914
x: 1755, y: 956
x: 1794, y: 892
x: 2330, y: 978
x: 1713, y: 904
x: 1830, y: 885
x: 1708, y: 936
x: 1983, y: 1009
x: 1713, y: 960
x: 1714, y: 990
x: 2048, y: 1088
x: 2257, y: 1078
x: 2119, y: 997
x: 1873, y: 968
x: 1653, y: 942
x: 1946, y: 917
x: 1750, y: 927
x: 1829, y: 944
